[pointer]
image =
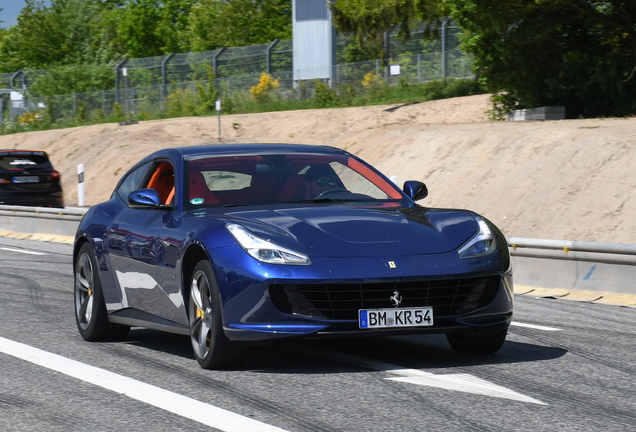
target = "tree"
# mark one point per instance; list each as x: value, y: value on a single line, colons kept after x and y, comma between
x: 369, y: 20
x: 43, y: 36
x: 218, y: 23
x: 147, y: 28
x: 576, y: 53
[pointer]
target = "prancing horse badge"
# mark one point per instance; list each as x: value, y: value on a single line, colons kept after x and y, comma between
x: 392, y: 264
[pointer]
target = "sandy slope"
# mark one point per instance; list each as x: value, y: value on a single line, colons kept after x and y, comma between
x: 571, y: 179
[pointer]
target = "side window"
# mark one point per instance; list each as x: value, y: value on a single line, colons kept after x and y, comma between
x: 162, y: 180
x: 132, y: 182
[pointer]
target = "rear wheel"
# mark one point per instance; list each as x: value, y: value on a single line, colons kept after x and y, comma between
x: 476, y: 343
x: 212, y: 348
x: 90, y: 310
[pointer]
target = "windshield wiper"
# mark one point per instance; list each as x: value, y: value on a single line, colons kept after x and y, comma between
x: 234, y: 205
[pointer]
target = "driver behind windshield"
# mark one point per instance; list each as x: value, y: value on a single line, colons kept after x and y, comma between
x: 318, y: 179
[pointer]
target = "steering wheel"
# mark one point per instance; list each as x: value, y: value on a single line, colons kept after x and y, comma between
x: 330, y: 191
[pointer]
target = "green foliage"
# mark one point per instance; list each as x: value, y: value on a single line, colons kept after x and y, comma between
x: 574, y: 53
x: 45, y: 36
x: 149, y: 28
x: 59, y: 80
x: 325, y: 95
x: 118, y: 112
x: 502, y: 104
x: 355, y: 52
x: 215, y: 23
x: 369, y: 20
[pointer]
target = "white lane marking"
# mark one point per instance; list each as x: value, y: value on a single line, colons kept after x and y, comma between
x: 192, y: 409
x: 458, y: 382
x: 532, y: 326
x: 22, y: 251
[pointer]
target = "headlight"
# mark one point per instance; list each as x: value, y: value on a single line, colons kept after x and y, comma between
x: 265, y: 251
x: 482, y: 243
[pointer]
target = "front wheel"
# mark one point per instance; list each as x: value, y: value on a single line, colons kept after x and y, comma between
x: 476, y: 343
x: 90, y: 310
x: 212, y: 348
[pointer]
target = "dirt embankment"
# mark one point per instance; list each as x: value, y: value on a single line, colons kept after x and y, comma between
x: 569, y: 179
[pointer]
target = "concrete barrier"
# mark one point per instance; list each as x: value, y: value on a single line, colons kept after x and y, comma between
x: 40, y: 220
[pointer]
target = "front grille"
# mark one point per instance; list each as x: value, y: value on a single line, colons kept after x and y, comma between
x: 341, y: 301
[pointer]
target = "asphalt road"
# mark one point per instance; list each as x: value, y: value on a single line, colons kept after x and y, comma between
x: 576, y: 371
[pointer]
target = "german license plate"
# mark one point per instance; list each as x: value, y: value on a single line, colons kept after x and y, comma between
x: 405, y: 317
x: 26, y: 179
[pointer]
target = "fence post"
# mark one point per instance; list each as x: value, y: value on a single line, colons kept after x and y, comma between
x: 13, y: 78
x: 387, y: 57
x: 117, y: 68
x: 215, y: 62
x: 104, y: 102
x: 419, y: 62
x: 268, y: 53
x: 444, y: 54
x: 377, y: 71
x: 75, y: 105
x: 164, y: 79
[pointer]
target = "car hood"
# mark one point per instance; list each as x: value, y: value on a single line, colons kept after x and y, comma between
x: 346, y: 231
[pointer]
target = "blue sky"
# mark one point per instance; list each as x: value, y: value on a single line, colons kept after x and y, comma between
x: 11, y: 10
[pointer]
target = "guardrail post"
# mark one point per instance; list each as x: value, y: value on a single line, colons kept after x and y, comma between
x: 80, y: 185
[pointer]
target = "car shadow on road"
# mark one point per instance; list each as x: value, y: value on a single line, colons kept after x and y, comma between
x: 349, y: 355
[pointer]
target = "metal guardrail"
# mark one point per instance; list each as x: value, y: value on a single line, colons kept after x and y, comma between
x: 14, y: 210
x: 610, y: 253
x: 565, y: 265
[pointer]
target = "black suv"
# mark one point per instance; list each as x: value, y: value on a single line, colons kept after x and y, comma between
x: 28, y: 178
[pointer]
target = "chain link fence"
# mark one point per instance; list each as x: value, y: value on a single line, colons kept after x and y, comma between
x: 151, y: 86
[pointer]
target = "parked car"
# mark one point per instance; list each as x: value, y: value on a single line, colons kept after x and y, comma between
x: 234, y: 244
x: 27, y: 178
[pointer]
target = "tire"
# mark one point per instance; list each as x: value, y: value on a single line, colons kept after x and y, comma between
x: 90, y: 311
x: 211, y: 347
x: 476, y: 343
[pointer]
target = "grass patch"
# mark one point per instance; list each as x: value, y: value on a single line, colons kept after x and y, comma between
x: 313, y: 95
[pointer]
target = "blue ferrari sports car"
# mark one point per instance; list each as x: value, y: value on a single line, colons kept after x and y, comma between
x: 237, y: 244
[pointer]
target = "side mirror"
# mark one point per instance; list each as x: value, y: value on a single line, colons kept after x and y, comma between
x: 416, y: 190
x: 144, y: 198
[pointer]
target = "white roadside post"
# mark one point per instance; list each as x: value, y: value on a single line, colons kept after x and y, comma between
x: 218, y: 114
x: 80, y: 185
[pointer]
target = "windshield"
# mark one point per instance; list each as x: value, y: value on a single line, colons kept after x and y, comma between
x: 17, y: 161
x: 270, y: 179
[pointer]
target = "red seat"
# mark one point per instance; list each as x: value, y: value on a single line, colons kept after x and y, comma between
x: 293, y: 188
x: 199, y: 189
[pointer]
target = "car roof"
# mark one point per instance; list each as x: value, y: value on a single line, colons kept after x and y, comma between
x: 23, y: 152
x: 230, y: 149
